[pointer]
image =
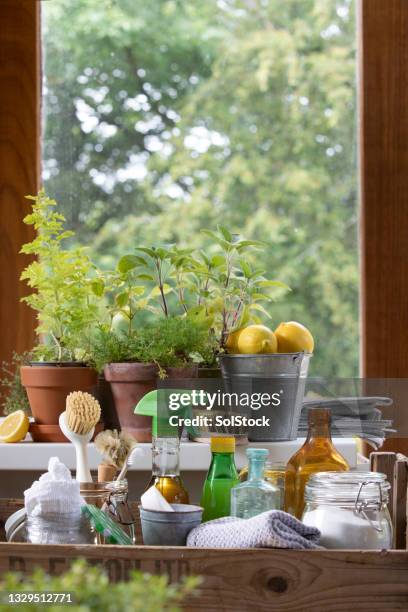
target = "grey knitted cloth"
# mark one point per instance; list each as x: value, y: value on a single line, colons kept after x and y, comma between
x: 272, y: 529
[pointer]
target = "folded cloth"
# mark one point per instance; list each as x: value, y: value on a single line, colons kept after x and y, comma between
x: 272, y: 529
x: 56, y: 492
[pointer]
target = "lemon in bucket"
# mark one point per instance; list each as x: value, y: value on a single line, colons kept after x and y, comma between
x: 293, y: 337
x: 256, y: 339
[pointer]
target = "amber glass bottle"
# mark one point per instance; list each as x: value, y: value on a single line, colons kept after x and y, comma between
x: 317, y: 454
x: 166, y: 470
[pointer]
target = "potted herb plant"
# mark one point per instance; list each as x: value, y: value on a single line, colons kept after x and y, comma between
x: 232, y: 292
x: 116, y: 347
x: 64, y: 300
x: 134, y: 356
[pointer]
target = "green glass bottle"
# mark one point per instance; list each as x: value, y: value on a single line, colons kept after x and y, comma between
x: 222, y: 476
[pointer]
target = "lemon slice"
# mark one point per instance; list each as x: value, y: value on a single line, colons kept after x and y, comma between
x: 15, y: 426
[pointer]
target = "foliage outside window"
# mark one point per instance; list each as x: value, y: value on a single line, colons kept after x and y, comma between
x: 167, y: 117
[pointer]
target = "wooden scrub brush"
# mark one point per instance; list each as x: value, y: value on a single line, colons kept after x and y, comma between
x: 82, y: 412
x: 77, y: 424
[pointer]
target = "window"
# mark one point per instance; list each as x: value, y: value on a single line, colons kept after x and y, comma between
x: 165, y: 117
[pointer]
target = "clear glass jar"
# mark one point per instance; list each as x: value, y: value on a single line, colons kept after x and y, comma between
x: 58, y: 529
x: 118, y: 508
x: 95, y: 493
x: 112, y: 497
x: 349, y: 509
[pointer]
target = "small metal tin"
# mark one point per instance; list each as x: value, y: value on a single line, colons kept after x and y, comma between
x: 161, y: 528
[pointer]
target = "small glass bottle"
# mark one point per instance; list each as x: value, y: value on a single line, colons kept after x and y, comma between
x: 166, y: 470
x: 274, y: 473
x: 222, y: 476
x: 255, y: 495
x: 318, y: 454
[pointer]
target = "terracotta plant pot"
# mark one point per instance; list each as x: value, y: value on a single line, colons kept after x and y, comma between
x: 47, y: 387
x: 185, y: 372
x: 129, y: 383
x: 53, y: 433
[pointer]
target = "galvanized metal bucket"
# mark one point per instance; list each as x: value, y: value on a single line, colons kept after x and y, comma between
x: 281, y: 373
x: 161, y: 528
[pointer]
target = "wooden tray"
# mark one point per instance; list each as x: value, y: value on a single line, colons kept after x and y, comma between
x: 252, y: 579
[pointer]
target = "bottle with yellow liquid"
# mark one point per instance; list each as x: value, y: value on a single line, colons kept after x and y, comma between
x: 317, y: 454
x: 165, y: 448
x: 166, y: 470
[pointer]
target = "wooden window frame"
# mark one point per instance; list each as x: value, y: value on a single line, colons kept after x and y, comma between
x: 383, y: 119
x: 20, y: 132
x: 383, y: 100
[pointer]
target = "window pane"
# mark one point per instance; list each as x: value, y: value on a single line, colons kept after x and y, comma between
x: 165, y: 117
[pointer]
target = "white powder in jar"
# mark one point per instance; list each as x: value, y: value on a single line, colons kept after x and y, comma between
x: 345, y: 528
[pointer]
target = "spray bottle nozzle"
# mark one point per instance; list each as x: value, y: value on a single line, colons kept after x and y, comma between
x: 156, y: 404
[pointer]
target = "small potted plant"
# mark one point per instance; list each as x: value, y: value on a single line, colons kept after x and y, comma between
x: 64, y: 299
x: 134, y: 356
x: 116, y: 350
x: 232, y: 293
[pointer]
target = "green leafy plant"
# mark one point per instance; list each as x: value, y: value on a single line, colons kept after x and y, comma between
x: 14, y: 396
x: 84, y: 313
x: 91, y: 590
x: 162, y: 267
x: 230, y: 290
x: 63, y: 294
x: 160, y: 263
x: 125, y: 291
x: 213, y: 293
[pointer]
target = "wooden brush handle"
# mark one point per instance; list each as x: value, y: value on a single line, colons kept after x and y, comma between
x: 106, y: 473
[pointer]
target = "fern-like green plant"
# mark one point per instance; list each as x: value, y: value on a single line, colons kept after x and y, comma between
x: 177, y: 342
x: 167, y: 342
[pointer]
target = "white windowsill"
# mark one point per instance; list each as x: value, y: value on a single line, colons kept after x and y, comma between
x: 30, y: 456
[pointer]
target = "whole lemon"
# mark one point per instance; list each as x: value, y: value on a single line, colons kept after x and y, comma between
x: 256, y: 339
x: 293, y: 337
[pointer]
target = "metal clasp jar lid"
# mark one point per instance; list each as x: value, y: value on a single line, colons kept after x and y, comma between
x: 362, y: 505
x: 356, y: 489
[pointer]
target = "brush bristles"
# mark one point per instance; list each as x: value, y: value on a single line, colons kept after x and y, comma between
x: 114, y: 446
x: 82, y: 411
